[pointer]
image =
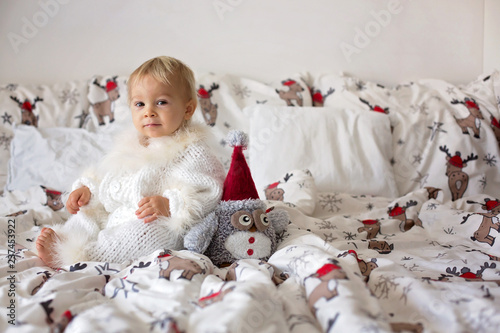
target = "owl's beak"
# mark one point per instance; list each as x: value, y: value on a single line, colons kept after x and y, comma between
x: 253, y: 228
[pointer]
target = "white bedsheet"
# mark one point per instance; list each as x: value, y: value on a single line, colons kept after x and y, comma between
x: 433, y: 278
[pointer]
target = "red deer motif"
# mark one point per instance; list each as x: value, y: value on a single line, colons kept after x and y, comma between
x: 188, y: 267
x: 63, y: 322
x: 319, y: 99
x: 273, y: 192
x: 432, y: 192
x: 208, y: 109
x: 496, y: 127
x: 492, y: 257
x: 215, y: 297
x: 20, y: 212
x: 375, y: 108
x: 407, y: 327
x: 327, y: 274
x: 490, y: 221
x: 381, y: 247
x: 472, y: 121
x: 372, y: 228
x: 466, y: 274
x: 365, y: 267
x: 293, y: 93
x: 27, y: 108
x: 457, y: 179
x: 277, y: 276
x: 399, y: 213
x: 105, y: 108
x: 54, y: 200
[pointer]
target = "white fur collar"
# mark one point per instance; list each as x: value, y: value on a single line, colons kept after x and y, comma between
x: 128, y: 153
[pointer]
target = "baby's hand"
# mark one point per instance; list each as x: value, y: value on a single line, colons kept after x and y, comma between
x: 152, y: 207
x: 78, y: 198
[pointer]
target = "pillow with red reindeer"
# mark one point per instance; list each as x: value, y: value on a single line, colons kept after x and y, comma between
x: 445, y: 136
x: 46, y: 105
x: 222, y: 98
x: 345, y: 150
x: 446, y: 140
x: 108, y: 102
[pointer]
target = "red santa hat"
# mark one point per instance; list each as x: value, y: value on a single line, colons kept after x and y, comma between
x: 456, y: 161
x: 396, y: 211
x: 471, y: 104
x: 273, y: 185
x: 355, y: 254
x: 202, y: 93
x: 327, y: 268
x: 378, y: 109
x: 27, y: 106
x: 239, y: 184
x: 111, y: 85
x: 288, y: 82
x: 317, y: 97
x: 494, y: 122
x: 490, y: 204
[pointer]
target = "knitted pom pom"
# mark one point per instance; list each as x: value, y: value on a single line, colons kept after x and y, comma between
x: 236, y: 138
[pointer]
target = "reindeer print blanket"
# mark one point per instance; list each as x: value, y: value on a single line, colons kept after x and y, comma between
x: 358, y: 263
x: 423, y: 255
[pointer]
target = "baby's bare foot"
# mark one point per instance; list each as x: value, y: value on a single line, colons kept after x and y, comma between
x: 44, y: 246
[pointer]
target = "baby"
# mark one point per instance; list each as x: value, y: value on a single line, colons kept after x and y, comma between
x: 155, y: 184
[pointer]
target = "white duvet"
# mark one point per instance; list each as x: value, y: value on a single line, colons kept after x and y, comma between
x: 350, y: 268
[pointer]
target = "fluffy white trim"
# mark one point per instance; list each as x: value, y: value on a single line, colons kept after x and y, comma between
x: 70, y: 248
x: 184, y: 216
x: 128, y: 152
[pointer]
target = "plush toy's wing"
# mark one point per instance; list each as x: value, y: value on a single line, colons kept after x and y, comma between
x: 279, y: 218
x: 200, y: 236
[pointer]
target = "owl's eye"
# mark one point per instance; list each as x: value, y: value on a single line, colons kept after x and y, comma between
x: 245, y: 220
x: 264, y: 219
x: 261, y: 219
x: 242, y: 220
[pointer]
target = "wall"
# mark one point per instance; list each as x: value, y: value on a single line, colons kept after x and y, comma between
x: 44, y: 41
x: 491, y: 59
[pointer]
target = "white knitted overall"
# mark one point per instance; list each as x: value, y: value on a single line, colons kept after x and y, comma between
x: 180, y: 168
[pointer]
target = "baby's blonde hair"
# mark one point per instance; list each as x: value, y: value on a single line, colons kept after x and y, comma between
x: 169, y: 71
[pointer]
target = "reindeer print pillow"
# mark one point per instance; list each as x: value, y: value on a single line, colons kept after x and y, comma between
x: 222, y: 98
x: 445, y: 137
x: 108, y: 102
x: 57, y: 105
x: 346, y: 150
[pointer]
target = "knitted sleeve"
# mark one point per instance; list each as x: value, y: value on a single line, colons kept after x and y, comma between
x: 91, y: 180
x: 195, y: 188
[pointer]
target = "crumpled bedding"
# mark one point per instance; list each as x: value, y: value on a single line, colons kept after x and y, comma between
x: 358, y: 264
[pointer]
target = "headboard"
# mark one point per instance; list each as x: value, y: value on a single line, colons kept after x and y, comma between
x: 388, y: 41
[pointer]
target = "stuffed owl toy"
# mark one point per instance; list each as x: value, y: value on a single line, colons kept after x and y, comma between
x: 241, y: 227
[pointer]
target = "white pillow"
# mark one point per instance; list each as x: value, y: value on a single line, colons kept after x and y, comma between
x: 53, y: 157
x: 227, y: 95
x: 347, y: 151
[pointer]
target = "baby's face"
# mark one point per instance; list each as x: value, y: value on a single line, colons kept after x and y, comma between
x: 158, y: 109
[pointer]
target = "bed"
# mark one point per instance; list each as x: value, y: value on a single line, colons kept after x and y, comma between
x: 392, y: 192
